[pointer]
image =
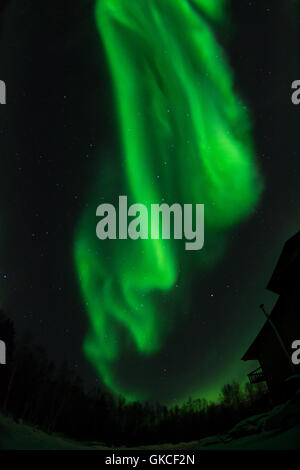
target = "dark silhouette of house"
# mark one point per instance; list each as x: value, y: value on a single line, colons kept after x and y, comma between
x: 273, y: 345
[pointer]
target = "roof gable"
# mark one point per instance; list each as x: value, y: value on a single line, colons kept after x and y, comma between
x: 287, y: 267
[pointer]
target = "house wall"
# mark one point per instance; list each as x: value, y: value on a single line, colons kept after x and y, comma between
x: 286, y: 317
x: 274, y: 363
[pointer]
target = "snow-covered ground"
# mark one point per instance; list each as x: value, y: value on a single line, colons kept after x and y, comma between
x: 278, y: 429
x: 14, y: 436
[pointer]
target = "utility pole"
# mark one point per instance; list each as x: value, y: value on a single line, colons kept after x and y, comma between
x: 268, y: 317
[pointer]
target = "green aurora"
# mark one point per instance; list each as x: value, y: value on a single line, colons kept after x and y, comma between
x: 185, y: 137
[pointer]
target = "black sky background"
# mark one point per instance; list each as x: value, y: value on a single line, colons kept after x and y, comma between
x: 60, y: 116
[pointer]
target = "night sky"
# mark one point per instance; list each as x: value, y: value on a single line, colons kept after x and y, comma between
x: 59, y: 140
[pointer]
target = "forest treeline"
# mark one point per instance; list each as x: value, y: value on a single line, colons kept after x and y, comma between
x: 34, y: 391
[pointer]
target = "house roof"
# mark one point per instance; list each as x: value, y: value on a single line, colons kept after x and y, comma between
x: 287, y: 267
x: 285, y: 272
x: 252, y: 352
